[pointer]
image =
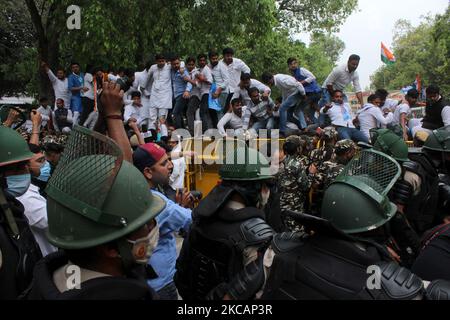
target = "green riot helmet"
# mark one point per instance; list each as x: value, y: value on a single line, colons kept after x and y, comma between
x: 94, y: 196
x: 357, y: 200
x: 388, y: 142
x: 13, y: 147
x: 437, y: 147
x: 438, y: 140
x: 244, y: 164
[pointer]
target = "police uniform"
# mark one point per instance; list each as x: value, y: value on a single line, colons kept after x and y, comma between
x: 294, y: 185
x: 226, y: 236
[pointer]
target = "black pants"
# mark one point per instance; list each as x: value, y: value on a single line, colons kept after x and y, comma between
x: 205, y: 114
x: 193, y: 104
x: 87, y: 106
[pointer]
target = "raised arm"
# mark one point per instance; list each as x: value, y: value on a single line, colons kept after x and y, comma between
x: 112, y: 105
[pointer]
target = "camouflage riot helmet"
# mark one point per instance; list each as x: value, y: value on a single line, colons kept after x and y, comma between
x: 329, y: 133
x: 342, y: 146
x: 357, y: 200
x: 386, y: 141
x: 245, y: 164
x: 293, y: 145
x: 94, y: 196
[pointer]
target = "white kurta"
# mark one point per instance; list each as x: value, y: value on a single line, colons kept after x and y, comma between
x: 60, y: 87
x: 161, y: 94
x: 142, y: 84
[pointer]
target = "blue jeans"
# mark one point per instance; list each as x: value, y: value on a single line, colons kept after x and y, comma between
x: 351, y: 133
x: 291, y: 102
x: 75, y: 104
x: 178, y: 111
x: 264, y: 124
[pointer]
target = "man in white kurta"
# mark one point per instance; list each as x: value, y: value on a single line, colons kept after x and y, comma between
x: 59, y: 84
x: 161, y: 93
x: 142, y: 85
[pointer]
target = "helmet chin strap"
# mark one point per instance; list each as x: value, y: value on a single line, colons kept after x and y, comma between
x: 128, y: 261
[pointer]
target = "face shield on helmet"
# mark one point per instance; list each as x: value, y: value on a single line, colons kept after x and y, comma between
x: 357, y: 201
x: 95, y: 198
x: 386, y: 141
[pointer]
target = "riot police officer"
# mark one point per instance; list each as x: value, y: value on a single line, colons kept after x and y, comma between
x: 19, y: 251
x: 101, y: 215
x: 432, y: 262
x: 405, y: 235
x: 222, y: 256
x: 333, y: 261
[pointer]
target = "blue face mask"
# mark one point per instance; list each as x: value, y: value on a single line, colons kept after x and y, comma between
x: 18, y: 185
x: 45, y: 172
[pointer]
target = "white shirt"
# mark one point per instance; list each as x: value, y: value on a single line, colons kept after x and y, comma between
x: 308, y: 74
x: 403, y: 108
x: 204, y: 86
x: 390, y: 104
x: 195, y: 88
x: 233, y: 121
x: 179, y: 168
x: 340, y: 77
x: 36, y: 212
x: 340, y: 115
x: 371, y: 116
x: 235, y: 69
x: 112, y: 77
x: 220, y: 75
x: 46, y: 114
x: 141, y: 82
x: 132, y: 111
x: 161, y: 94
x: 89, y: 83
x: 243, y: 93
x: 288, y: 85
x: 446, y: 115
x: 61, y: 89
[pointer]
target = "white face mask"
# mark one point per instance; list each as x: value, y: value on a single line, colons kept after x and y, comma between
x: 143, y: 247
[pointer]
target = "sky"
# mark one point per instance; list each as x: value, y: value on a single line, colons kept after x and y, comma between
x: 373, y: 23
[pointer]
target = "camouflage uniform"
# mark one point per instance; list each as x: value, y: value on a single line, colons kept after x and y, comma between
x: 329, y: 170
x: 294, y: 185
x: 326, y: 151
x: 307, y: 147
x: 60, y: 139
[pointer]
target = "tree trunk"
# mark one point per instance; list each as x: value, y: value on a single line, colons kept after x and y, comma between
x: 47, y: 44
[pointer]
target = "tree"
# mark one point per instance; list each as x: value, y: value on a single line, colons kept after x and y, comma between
x: 315, y: 15
x: 16, y: 46
x: 130, y: 32
x: 330, y: 44
x: 423, y: 50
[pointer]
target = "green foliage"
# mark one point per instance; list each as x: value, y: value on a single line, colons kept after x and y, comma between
x: 314, y: 15
x: 424, y: 50
x: 129, y: 33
